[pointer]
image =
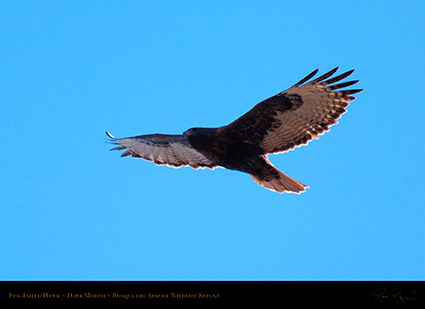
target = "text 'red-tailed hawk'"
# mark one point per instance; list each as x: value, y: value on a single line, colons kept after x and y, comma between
x: 289, y: 119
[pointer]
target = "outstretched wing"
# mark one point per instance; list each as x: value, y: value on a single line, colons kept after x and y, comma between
x: 162, y: 149
x: 295, y: 116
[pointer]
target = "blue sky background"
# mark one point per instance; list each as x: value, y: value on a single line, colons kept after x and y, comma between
x: 72, y: 210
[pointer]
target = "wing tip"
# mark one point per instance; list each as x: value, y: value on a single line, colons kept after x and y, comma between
x: 334, y: 70
x: 110, y: 135
x: 305, y: 79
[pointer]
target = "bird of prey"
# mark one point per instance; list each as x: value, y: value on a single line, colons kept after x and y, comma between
x: 278, y: 124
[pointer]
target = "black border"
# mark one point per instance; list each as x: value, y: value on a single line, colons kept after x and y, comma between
x: 213, y: 292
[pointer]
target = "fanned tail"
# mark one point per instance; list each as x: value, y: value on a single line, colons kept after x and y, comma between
x: 282, y: 184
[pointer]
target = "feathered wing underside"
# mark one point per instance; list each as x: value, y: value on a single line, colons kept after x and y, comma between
x: 296, y: 116
x: 162, y: 149
x: 322, y: 104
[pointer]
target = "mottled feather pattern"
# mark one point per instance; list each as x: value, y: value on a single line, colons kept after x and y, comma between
x: 162, y: 149
x: 322, y: 104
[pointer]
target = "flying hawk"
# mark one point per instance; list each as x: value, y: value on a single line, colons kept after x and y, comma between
x: 287, y: 120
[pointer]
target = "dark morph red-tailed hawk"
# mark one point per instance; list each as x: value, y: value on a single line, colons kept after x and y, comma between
x: 289, y: 119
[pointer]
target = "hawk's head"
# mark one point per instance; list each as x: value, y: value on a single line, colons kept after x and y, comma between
x: 200, y: 138
x: 198, y: 131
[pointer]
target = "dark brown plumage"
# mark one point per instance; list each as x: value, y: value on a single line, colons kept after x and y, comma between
x: 287, y: 120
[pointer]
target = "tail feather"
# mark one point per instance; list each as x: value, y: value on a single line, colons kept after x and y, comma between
x: 282, y: 184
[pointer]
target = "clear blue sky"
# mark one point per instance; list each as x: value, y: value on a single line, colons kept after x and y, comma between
x: 72, y: 210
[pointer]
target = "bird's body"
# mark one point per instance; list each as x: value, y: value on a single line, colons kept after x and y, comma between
x: 221, y: 148
x: 289, y: 119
